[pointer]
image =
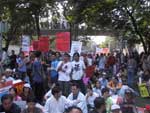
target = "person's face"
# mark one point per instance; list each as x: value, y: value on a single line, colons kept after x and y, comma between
x: 53, y: 57
x: 7, y: 104
x: 75, y: 111
x: 66, y: 58
x: 97, y: 84
x: 76, y: 58
x: 57, y: 95
x: 31, y: 105
x: 75, y: 90
x: 12, y: 92
x: 90, y: 92
x: 128, y: 96
x: 116, y: 111
x: 106, y: 94
x: 26, y: 89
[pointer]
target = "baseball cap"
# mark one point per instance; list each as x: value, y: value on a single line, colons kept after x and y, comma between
x: 27, y: 85
x: 115, y: 107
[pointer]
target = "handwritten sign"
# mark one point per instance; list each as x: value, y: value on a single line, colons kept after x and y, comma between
x: 143, y: 90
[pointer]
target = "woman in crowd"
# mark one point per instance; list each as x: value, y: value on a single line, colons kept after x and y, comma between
x: 27, y: 92
x: 13, y: 92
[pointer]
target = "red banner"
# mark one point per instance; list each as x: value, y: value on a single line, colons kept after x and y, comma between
x: 63, y: 41
x: 35, y: 45
x: 43, y: 44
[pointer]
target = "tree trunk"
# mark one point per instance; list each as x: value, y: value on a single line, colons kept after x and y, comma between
x: 137, y: 30
x: 7, y: 44
x: 37, y: 25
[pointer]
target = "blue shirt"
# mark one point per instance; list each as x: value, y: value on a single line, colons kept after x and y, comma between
x: 53, y: 71
x: 23, y: 68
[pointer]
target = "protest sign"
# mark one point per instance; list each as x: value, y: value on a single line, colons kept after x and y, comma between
x: 25, y: 43
x: 63, y: 41
x: 35, y: 45
x: 4, y: 87
x: 143, y: 90
x: 43, y: 44
x: 76, y: 46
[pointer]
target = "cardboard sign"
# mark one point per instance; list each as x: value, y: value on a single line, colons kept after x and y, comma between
x: 143, y: 90
x: 25, y: 43
x: 76, y: 46
x: 43, y: 44
x: 63, y: 41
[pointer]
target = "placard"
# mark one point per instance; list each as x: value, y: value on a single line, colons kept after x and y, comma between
x: 76, y: 46
x: 43, y: 44
x: 143, y: 90
x: 25, y: 43
x: 63, y: 41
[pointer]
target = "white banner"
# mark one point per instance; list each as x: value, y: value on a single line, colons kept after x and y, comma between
x: 76, y: 46
x: 25, y: 43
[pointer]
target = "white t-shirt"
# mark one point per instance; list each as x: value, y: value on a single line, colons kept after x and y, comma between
x: 78, y: 70
x: 90, y: 99
x: 64, y: 76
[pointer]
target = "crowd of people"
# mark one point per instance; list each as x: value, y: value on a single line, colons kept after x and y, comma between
x: 59, y: 83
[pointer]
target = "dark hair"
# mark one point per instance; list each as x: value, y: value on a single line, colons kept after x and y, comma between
x: 13, y: 88
x: 73, y: 107
x: 104, y: 90
x: 98, y: 102
x: 55, y: 90
x: 6, y: 96
x: 75, y: 84
x: 76, y: 54
x: 31, y: 99
x: 89, y: 87
x: 66, y: 54
x: 37, y: 54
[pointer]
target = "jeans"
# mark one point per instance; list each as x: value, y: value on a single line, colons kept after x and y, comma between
x: 131, y: 77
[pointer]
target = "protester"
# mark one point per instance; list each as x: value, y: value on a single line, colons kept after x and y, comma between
x: 22, y: 69
x: 8, y: 106
x: 38, y: 78
x: 115, y: 108
x: 13, y: 58
x: 31, y: 103
x: 8, y: 75
x: 90, y: 97
x: 64, y: 70
x: 57, y: 103
x: 99, y: 104
x: 27, y: 92
x: 77, y: 95
x: 73, y: 109
x: 97, y: 88
x: 13, y: 92
x: 78, y: 68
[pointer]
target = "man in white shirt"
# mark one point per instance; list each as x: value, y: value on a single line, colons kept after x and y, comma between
x: 90, y: 97
x: 78, y: 68
x: 64, y: 69
x: 58, y: 103
x: 77, y: 95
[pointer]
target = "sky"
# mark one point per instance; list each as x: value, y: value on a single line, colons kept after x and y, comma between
x: 98, y: 39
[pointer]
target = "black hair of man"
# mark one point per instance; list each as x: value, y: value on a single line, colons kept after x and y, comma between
x: 5, y: 97
x: 72, y: 108
x: 75, y: 84
x: 98, y: 102
x: 104, y: 90
x: 56, y: 89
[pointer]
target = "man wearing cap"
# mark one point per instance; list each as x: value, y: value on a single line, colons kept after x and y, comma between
x: 7, y: 77
x: 115, y: 108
